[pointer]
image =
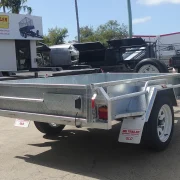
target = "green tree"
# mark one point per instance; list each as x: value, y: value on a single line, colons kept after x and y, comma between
x: 103, y: 33
x: 55, y: 36
x: 15, y: 6
x: 4, y: 4
x: 111, y: 30
x: 87, y: 34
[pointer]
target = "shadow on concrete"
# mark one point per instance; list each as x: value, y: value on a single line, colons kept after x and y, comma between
x: 97, y: 154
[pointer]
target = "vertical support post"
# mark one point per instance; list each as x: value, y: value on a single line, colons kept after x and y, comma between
x: 77, y: 19
x: 130, y: 17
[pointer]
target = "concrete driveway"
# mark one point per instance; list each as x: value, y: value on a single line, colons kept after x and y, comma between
x: 82, y: 154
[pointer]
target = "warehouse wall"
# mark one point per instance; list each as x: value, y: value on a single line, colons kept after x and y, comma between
x: 33, y: 54
x: 7, y: 55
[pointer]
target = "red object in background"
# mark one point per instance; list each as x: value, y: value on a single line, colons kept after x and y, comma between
x: 103, y: 113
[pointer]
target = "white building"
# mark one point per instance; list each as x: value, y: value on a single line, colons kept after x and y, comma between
x: 18, y: 36
x: 163, y: 39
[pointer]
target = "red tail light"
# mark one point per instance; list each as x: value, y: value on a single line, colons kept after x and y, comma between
x: 93, y: 104
x: 103, y: 113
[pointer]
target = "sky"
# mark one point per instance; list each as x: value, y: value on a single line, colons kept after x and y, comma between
x: 150, y: 17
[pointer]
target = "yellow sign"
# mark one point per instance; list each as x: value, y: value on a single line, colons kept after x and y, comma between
x: 4, y: 22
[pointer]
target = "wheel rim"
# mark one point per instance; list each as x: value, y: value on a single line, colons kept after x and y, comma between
x: 148, y: 69
x: 164, y: 125
x: 53, y: 125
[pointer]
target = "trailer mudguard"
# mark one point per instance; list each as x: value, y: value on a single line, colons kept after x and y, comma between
x: 131, y: 130
x: 132, y: 127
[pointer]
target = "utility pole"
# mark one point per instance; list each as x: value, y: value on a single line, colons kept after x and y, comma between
x: 77, y: 19
x: 130, y: 17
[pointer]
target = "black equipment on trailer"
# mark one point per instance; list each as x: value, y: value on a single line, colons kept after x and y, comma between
x: 124, y: 55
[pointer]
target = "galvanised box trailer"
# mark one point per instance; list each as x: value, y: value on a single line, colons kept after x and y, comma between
x: 143, y: 103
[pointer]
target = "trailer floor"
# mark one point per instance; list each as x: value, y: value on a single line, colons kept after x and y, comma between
x: 82, y: 154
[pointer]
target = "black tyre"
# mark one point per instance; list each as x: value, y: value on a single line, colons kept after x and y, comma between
x: 49, y: 129
x: 158, y: 131
x: 151, y: 66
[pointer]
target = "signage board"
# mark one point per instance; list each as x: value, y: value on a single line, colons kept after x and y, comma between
x: 20, y: 27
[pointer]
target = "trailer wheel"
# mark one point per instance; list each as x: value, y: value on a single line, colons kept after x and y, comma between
x: 158, y: 131
x: 49, y: 129
x: 151, y: 66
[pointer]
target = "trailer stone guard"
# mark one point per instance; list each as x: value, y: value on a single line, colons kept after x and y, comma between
x: 142, y: 102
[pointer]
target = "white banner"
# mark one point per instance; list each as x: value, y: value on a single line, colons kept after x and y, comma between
x: 20, y: 27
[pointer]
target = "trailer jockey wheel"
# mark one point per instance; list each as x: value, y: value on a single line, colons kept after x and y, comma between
x: 25, y: 35
x: 49, y: 128
x: 151, y: 66
x: 158, y: 131
x: 37, y: 32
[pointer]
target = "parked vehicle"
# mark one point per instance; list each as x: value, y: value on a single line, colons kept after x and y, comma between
x: 125, y: 55
x: 142, y: 102
x: 142, y: 54
x: 175, y: 63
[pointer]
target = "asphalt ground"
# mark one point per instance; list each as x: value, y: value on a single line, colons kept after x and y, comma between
x: 82, y: 154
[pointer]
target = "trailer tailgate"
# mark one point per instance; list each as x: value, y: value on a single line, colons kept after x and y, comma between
x: 48, y: 101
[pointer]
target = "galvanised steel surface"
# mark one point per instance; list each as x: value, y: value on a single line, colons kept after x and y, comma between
x: 54, y: 99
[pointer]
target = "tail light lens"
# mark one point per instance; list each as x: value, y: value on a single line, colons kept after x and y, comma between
x: 93, y: 104
x: 103, y: 113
